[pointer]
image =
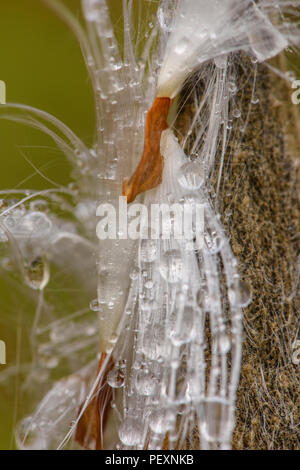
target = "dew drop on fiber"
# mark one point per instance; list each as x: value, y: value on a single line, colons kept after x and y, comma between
x: 146, y: 384
x: 115, y: 378
x: 148, y: 250
x: 212, y: 242
x: 224, y: 343
x: 171, y: 266
x: 95, y: 305
x: 130, y: 432
x: 183, y: 331
x: 191, y: 176
x: 242, y: 297
x: 28, y: 435
x: 134, y: 273
x: 182, y: 46
x: 37, y: 224
x: 160, y: 421
x: 37, y: 273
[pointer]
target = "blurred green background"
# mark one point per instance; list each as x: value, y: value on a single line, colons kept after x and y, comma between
x: 42, y: 66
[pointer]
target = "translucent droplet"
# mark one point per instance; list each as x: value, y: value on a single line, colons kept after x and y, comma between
x: 221, y: 61
x: 146, y: 384
x: 37, y: 274
x: 232, y: 88
x: 130, y: 432
x: 183, y: 331
x: 149, y: 284
x: 39, y: 205
x: 241, y: 297
x: 115, y: 378
x: 171, y: 266
x: 153, y: 345
x: 216, y: 423
x: 224, y: 344
x: 182, y: 46
x: 160, y: 421
x: 37, y: 224
x: 236, y: 113
x: 49, y: 361
x: 95, y: 305
x: 202, y: 297
x: 29, y: 436
x: 149, y: 250
x: 212, y: 242
x: 255, y: 100
x: 134, y: 273
x: 191, y: 176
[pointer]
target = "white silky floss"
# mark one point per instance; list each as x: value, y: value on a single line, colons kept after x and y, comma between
x: 202, y: 30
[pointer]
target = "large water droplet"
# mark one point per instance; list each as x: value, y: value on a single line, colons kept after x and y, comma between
x: 171, y: 266
x: 37, y: 224
x: 212, y: 242
x: 191, y: 176
x: 216, y: 423
x: 146, y: 384
x: 29, y: 436
x: 183, y: 331
x: 160, y: 421
x: 37, y: 273
x: 224, y: 343
x: 116, y: 378
x: 182, y: 46
x: 130, y: 432
x: 241, y: 297
x: 153, y: 345
x: 148, y: 250
x: 95, y: 305
x: 134, y: 273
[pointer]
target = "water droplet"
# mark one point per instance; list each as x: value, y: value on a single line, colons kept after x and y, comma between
x: 130, y: 432
x: 48, y: 361
x: 29, y: 436
x: 216, y: 422
x: 161, y: 421
x: 149, y: 284
x: 224, y: 344
x: 153, y: 345
x: 146, y: 384
x: 232, y: 88
x: 37, y: 224
x: 182, y: 46
x: 183, y: 331
x: 191, y: 176
x: 37, y: 274
x: 171, y: 266
x: 134, y: 273
x: 116, y: 378
x: 39, y: 205
x: 242, y: 297
x: 237, y: 113
x: 202, y: 297
x: 148, y: 250
x: 212, y: 242
x: 95, y: 305
x: 221, y: 61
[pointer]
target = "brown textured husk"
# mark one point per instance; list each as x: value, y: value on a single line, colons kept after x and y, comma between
x: 259, y: 205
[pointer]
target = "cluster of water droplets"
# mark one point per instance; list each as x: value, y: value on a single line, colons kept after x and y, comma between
x: 182, y: 324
